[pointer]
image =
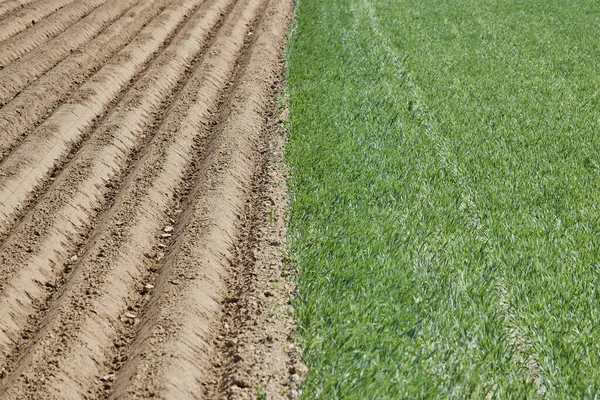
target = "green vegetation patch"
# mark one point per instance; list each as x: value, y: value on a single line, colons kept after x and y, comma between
x: 445, y: 212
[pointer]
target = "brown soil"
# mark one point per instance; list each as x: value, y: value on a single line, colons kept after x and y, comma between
x: 142, y: 201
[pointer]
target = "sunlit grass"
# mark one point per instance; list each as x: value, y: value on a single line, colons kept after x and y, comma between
x: 445, y: 217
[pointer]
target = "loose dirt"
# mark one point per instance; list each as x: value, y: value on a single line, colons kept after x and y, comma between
x: 142, y: 201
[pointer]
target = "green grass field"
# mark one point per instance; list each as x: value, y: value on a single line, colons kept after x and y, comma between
x: 445, y: 212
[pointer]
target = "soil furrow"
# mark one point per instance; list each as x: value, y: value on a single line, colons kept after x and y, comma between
x: 16, y: 76
x: 10, y: 7
x: 61, y: 218
x: 173, y: 352
x: 256, y: 343
x: 29, y: 17
x: 36, y: 159
x: 26, y: 110
x: 114, y: 265
x: 44, y: 30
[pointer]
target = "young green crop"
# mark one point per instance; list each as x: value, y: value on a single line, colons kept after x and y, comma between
x: 445, y: 186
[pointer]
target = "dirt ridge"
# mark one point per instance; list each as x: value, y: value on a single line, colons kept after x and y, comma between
x: 45, y: 30
x: 19, y: 74
x: 155, y: 156
x: 29, y: 17
x: 40, y: 154
x: 9, y: 7
x: 116, y: 45
x: 80, y: 188
x: 191, y: 287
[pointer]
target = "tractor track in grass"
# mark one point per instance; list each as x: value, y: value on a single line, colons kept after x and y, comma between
x: 128, y: 173
x: 525, y: 357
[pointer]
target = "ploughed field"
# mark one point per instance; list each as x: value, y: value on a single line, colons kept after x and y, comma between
x: 134, y: 147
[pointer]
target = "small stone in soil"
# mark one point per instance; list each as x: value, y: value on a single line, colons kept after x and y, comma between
x: 148, y: 287
x: 108, y: 378
x: 241, y: 382
x: 299, y: 369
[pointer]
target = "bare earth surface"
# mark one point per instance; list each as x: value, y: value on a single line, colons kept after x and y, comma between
x: 142, y: 200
